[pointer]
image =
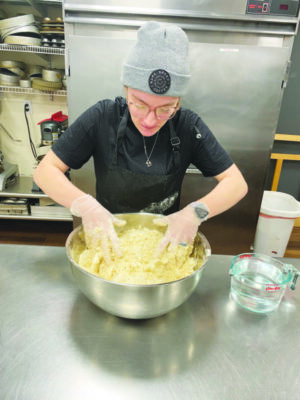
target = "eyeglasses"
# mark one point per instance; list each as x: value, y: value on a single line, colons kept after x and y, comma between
x: 141, y: 111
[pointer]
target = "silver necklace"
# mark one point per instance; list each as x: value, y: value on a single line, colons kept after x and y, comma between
x: 148, y: 162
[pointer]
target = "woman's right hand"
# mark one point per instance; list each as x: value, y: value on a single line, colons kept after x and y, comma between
x: 98, y: 224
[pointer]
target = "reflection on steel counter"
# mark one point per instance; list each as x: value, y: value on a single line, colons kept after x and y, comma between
x: 55, y: 341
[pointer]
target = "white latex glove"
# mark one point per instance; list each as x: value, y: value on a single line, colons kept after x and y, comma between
x: 98, y: 224
x: 182, y: 226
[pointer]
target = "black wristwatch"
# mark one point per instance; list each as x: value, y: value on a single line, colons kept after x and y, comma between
x: 201, y: 210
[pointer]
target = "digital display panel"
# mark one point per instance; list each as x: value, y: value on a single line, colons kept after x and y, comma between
x: 258, y: 7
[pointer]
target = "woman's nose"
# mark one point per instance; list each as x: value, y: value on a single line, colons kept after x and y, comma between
x: 150, y: 117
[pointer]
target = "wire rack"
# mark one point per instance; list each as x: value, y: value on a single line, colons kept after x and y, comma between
x: 17, y: 89
x: 40, y: 1
x: 32, y: 49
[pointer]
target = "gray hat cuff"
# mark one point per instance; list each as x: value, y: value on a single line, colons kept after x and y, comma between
x: 137, y: 78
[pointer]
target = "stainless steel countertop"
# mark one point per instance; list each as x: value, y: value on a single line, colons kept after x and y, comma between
x: 55, y: 344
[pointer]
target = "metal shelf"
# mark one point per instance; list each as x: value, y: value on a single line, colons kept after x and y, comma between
x: 29, y: 2
x: 36, y: 50
x: 22, y: 188
x: 19, y: 89
x: 32, y: 217
x: 32, y: 49
x: 51, y: 1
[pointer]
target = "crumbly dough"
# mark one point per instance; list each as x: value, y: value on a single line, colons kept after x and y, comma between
x: 138, y: 263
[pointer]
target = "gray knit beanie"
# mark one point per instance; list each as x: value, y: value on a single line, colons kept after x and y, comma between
x: 158, y: 63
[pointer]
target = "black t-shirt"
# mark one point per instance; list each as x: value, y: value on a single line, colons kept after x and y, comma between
x: 94, y: 134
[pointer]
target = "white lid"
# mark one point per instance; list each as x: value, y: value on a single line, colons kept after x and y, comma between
x: 280, y: 204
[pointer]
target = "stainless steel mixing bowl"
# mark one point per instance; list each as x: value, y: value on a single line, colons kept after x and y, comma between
x: 138, y: 301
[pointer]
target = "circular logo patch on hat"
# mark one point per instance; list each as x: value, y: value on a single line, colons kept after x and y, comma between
x: 159, y: 81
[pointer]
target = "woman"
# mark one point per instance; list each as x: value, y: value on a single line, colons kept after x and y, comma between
x: 142, y: 146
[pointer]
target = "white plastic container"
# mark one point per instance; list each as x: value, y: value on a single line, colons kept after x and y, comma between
x: 275, y: 223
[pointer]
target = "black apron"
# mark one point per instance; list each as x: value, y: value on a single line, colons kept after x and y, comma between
x: 125, y: 191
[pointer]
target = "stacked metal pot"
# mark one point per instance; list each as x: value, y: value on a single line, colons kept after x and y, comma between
x: 51, y: 80
x: 21, y: 30
x: 17, y: 73
x: 11, y: 72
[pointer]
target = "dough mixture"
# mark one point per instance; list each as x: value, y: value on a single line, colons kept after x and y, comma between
x: 138, y: 264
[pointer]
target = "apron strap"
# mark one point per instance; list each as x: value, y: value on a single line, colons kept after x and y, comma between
x: 120, y: 135
x: 175, y: 143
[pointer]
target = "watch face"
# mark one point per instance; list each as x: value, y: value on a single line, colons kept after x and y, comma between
x: 201, y: 210
x: 202, y: 213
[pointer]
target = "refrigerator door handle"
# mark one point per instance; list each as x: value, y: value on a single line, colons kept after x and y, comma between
x: 251, y: 26
x: 67, y: 63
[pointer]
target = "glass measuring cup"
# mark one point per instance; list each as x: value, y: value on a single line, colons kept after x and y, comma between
x: 258, y: 282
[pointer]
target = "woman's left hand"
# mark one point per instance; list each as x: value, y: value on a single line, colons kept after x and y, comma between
x: 182, y: 228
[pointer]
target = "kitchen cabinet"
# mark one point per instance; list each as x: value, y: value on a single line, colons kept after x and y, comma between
x: 20, y: 190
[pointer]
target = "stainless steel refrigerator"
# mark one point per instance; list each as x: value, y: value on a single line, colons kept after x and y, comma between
x: 239, y: 54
